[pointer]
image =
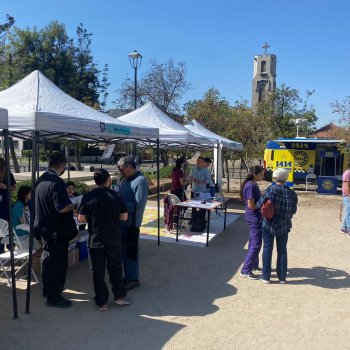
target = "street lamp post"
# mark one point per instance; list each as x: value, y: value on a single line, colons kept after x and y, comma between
x: 135, y: 61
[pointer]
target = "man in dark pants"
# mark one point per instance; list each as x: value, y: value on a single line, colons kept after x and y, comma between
x: 104, y: 209
x: 54, y: 223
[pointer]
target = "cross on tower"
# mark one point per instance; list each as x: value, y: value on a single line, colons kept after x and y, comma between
x: 265, y: 47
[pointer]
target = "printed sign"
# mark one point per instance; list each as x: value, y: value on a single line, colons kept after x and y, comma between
x: 108, y: 152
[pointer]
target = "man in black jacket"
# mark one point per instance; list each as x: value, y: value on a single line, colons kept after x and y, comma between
x: 54, y: 223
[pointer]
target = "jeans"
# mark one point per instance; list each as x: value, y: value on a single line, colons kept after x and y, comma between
x: 346, y: 213
x: 131, y: 267
x: 251, y: 262
x: 281, y: 266
x: 110, y: 257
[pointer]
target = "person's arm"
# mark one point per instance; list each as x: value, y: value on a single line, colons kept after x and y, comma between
x: 207, y: 180
x: 82, y: 219
x: 141, y: 195
x: 251, y: 204
x: 123, y: 216
x: 82, y: 216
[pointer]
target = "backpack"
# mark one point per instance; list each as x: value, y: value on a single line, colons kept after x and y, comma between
x: 267, y: 209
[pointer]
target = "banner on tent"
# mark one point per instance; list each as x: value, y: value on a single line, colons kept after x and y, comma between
x: 115, y: 129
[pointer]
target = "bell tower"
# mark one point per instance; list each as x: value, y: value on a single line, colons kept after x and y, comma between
x: 264, y: 77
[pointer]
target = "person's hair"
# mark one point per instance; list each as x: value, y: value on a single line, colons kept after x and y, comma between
x: 57, y: 159
x: 70, y: 183
x: 255, y: 170
x: 178, y: 163
x: 101, y: 176
x: 280, y: 175
x: 128, y: 160
x: 208, y: 160
x: 22, y: 192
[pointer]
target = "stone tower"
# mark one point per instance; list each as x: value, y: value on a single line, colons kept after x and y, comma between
x: 264, y: 78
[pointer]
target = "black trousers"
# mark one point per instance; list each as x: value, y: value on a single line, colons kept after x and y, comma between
x: 110, y: 257
x: 54, y: 268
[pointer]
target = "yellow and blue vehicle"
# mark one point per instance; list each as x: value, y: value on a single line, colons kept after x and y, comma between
x: 305, y: 155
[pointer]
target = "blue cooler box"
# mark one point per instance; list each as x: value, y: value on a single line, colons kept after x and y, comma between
x: 327, y: 184
x: 83, y: 245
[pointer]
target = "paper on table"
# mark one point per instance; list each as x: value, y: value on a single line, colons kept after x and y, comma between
x: 76, y: 199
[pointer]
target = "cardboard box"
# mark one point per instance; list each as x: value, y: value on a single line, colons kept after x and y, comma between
x: 73, y: 257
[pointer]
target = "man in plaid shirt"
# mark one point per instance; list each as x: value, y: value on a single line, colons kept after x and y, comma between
x: 285, y: 202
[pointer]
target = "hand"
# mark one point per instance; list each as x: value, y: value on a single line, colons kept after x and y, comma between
x: 3, y: 186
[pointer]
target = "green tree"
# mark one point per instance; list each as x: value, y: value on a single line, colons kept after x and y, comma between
x: 164, y: 84
x: 284, y: 106
x: 342, y: 109
x: 213, y: 111
x: 68, y: 62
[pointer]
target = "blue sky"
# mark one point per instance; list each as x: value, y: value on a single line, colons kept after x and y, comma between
x: 217, y: 39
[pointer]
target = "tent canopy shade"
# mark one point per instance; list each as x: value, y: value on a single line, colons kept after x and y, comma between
x: 36, y: 104
x: 199, y: 129
x: 170, y: 131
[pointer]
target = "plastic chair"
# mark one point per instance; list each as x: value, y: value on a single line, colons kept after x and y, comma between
x: 311, y: 179
x: 176, y: 200
x: 21, y: 256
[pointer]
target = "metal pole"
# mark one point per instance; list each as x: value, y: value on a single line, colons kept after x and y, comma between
x: 9, y: 205
x: 67, y: 156
x: 35, y: 155
x: 158, y: 192
x: 135, y: 88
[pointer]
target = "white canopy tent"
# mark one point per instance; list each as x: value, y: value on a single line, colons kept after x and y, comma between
x: 6, y: 155
x: 223, y: 142
x: 38, y: 109
x: 36, y: 104
x: 171, y: 133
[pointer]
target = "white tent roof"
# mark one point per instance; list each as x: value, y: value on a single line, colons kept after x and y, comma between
x: 4, y: 123
x: 199, y: 129
x: 36, y: 103
x: 170, y: 131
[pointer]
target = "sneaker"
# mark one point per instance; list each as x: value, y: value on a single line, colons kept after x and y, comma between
x: 265, y: 281
x: 258, y: 269
x: 250, y: 276
x: 61, y: 304
x: 131, y: 284
x: 102, y: 307
x: 344, y: 230
x: 283, y: 282
x: 123, y: 301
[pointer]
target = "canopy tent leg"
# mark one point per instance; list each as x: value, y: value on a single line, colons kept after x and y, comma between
x: 184, y: 170
x: 66, y: 148
x: 9, y: 205
x: 218, y: 165
x: 158, y: 192
x: 35, y: 171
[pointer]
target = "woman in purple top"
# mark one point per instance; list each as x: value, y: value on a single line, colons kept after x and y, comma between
x: 250, y: 193
x: 178, y: 179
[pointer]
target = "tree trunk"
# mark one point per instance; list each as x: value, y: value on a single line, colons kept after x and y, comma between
x: 164, y: 157
x: 13, y: 156
x: 77, y: 154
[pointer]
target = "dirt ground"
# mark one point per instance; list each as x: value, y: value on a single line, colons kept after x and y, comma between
x: 194, y: 298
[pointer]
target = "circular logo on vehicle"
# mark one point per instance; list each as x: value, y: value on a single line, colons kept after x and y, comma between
x: 301, y: 158
x: 327, y: 185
